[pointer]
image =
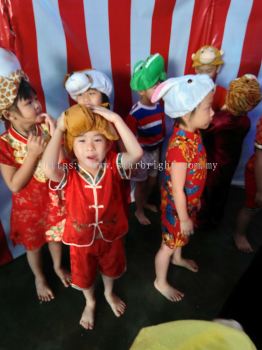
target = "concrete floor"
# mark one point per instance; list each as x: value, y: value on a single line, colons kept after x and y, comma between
x: 28, y: 325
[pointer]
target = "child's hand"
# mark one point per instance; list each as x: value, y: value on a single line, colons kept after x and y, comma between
x: 35, y: 145
x: 61, y: 123
x: 258, y: 199
x: 104, y: 112
x: 49, y: 122
x: 187, y: 227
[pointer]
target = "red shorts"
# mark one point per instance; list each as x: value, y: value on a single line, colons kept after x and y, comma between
x: 251, y: 189
x: 107, y: 257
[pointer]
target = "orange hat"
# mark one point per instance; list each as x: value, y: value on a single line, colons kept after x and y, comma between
x: 243, y: 95
x: 79, y: 119
x: 207, y: 55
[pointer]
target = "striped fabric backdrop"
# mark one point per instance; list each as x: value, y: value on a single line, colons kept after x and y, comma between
x: 53, y: 37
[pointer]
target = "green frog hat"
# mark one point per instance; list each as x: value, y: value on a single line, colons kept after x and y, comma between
x: 147, y: 73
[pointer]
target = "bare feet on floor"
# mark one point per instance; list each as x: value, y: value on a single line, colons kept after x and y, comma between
x: 143, y: 220
x: 187, y: 263
x: 44, y: 293
x: 116, y: 304
x: 242, y: 244
x: 169, y: 292
x: 151, y: 207
x: 88, y: 316
x: 64, y: 276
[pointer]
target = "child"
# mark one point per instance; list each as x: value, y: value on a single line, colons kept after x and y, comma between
x: 95, y: 223
x: 146, y: 120
x: 223, y: 141
x: 33, y: 211
x: 208, y: 60
x: 253, y: 186
x: 188, y: 99
x: 89, y: 87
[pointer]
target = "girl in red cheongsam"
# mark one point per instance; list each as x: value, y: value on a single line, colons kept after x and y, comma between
x: 189, y: 100
x: 36, y: 216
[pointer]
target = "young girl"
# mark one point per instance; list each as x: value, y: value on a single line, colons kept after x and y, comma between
x: 189, y: 100
x: 95, y: 223
x: 34, y: 211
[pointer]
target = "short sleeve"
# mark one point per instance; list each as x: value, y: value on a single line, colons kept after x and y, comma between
x: 176, y: 151
x: 6, y: 154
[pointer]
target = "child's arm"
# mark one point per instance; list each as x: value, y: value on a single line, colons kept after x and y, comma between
x: 16, y: 179
x: 178, y: 179
x: 50, y: 159
x: 258, y: 176
x: 133, y: 151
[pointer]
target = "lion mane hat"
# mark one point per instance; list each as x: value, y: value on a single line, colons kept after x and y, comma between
x: 207, y: 55
x: 79, y: 120
x: 244, y: 94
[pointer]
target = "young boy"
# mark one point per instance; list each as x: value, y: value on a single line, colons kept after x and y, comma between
x: 34, y: 211
x: 146, y: 120
x: 208, y: 60
x: 96, y: 222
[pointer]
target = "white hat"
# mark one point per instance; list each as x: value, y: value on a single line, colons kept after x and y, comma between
x: 183, y: 94
x: 80, y: 82
x: 8, y: 63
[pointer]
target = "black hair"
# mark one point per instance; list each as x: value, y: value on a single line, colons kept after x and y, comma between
x: 105, y: 99
x: 180, y: 120
x: 25, y: 92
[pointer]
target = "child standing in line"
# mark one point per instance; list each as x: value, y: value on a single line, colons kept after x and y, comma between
x: 253, y: 187
x: 188, y: 99
x: 34, y: 213
x: 147, y: 121
x: 96, y: 222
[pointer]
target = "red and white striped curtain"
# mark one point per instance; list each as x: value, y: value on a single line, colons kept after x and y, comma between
x: 53, y: 37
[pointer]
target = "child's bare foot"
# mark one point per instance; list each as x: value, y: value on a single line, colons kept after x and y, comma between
x: 242, y: 243
x: 88, y: 316
x: 187, y: 263
x: 64, y: 276
x: 44, y: 293
x: 143, y: 220
x: 151, y: 207
x: 116, y: 304
x: 169, y: 292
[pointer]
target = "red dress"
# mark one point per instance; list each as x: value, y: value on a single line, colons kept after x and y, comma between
x: 223, y: 142
x: 183, y: 147
x: 250, y: 182
x: 35, y: 209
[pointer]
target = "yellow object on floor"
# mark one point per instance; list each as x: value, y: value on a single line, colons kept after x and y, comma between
x: 192, y: 335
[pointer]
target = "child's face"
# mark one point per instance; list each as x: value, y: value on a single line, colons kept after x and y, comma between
x: 203, y: 114
x: 26, y: 113
x: 90, y: 150
x: 91, y: 96
x: 210, y: 70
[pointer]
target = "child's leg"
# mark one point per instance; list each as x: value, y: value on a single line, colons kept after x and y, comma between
x: 162, y: 261
x: 55, y: 249
x: 34, y: 259
x: 240, y: 238
x: 178, y: 260
x: 140, y: 192
x: 116, y: 304
x: 88, y: 315
x: 150, y: 184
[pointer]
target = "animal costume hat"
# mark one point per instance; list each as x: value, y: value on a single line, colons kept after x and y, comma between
x: 243, y: 95
x: 10, y: 78
x: 147, y: 73
x: 207, y: 55
x: 182, y: 95
x: 79, y: 82
x: 79, y: 120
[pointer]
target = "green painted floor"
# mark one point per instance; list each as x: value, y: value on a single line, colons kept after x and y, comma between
x: 28, y: 325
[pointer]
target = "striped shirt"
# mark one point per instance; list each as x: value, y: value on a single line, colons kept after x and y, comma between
x: 148, y: 124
